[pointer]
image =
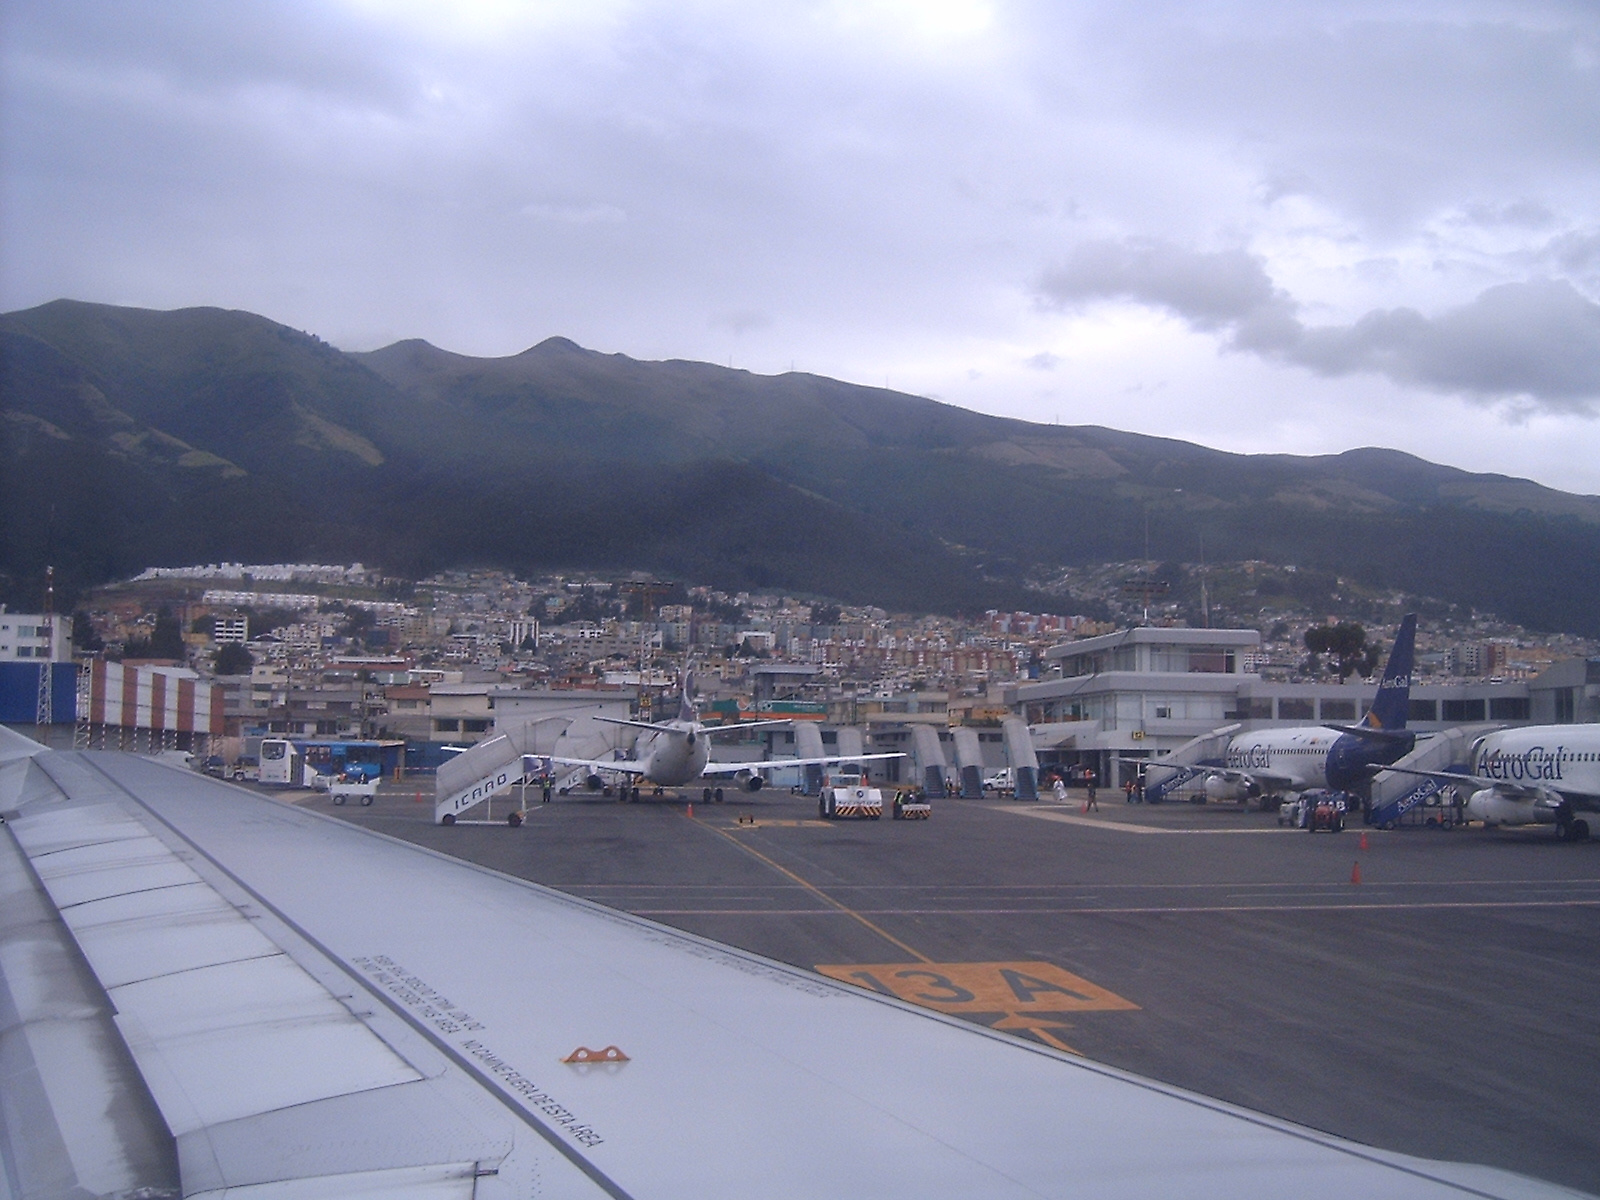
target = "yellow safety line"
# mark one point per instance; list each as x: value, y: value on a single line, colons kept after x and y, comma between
x: 1041, y: 1033
x: 817, y: 892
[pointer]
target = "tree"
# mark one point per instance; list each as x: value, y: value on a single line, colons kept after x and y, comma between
x: 166, y: 640
x: 1346, y: 644
x: 234, y: 659
x: 84, y: 639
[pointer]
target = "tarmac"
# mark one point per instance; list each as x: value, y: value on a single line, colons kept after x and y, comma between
x: 1445, y: 1005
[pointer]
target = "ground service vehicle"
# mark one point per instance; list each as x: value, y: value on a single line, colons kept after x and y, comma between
x: 849, y: 795
x: 1325, y: 811
x: 911, y: 806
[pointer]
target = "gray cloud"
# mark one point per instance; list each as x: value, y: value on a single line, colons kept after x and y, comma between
x: 855, y: 187
x: 1537, y: 341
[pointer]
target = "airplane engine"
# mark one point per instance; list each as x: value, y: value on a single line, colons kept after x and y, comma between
x: 752, y: 782
x: 1495, y: 808
x: 1220, y: 788
x: 594, y: 783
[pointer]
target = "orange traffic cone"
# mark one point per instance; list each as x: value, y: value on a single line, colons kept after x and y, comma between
x: 1363, y: 841
x: 1355, y: 873
x: 691, y: 808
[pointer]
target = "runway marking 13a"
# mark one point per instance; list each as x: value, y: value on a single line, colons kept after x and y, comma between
x: 982, y: 987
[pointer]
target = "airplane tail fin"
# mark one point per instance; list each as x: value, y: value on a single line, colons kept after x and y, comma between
x: 1392, y: 704
x: 686, y: 708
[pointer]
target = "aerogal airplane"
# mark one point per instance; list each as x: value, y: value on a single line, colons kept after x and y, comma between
x: 1278, y: 762
x: 1536, y: 775
x: 677, y: 752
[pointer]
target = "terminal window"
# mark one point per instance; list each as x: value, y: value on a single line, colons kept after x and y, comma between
x: 1338, y: 710
x: 1294, y: 710
x: 1508, y: 708
x: 1463, y: 710
x: 1422, y: 710
x: 1566, y: 705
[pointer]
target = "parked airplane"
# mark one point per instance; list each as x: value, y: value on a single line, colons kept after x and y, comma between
x: 677, y: 752
x: 1536, y: 775
x: 203, y: 996
x: 1278, y: 762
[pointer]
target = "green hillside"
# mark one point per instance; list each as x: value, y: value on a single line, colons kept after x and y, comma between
x: 133, y: 437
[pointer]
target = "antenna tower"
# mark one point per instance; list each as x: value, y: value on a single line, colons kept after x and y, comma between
x: 45, y: 710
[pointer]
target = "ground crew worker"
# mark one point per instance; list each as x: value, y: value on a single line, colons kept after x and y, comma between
x: 1088, y: 788
x: 1060, y: 791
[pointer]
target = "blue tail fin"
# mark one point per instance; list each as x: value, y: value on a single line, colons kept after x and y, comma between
x: 1392, y: 704
x: 686, y: 708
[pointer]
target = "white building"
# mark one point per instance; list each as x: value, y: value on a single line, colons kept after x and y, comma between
x: 231, y: 629
x: 34, y: 637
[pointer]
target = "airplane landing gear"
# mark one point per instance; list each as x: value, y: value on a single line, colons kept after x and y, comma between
x: 705, y: 796
x: 717, y: 795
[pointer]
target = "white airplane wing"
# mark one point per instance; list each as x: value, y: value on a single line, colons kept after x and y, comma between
x: 205, y: 991
x: 1522, y: 791
x: 774, y: 764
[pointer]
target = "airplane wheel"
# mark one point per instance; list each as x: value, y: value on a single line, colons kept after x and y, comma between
x: 717, y: 795
x: 448, y: 819
x: 514, y: 819
x: 1579, y: 831
x: 705, y: 796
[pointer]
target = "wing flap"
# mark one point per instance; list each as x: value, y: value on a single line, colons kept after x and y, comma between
x: 212, y: 1009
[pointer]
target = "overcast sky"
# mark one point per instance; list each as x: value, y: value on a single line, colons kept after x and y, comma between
x: 1263, y: 226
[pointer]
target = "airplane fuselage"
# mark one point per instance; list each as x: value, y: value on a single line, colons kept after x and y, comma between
x: 1311, y: 756
x: 1298, y: 756
x: 674, y: 754
x: 1538, y: 775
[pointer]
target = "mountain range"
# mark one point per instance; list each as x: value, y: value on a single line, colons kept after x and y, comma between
x: 132, y: 437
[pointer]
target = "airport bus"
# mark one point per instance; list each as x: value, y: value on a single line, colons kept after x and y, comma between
x: 294, y: 762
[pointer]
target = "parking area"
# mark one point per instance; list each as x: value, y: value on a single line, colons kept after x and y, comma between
x: 1432, y: 993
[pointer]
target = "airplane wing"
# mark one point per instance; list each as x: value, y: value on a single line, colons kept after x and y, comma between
x: 773, y: 764
x: 204, y: 990
x: 713, y: 730
x: 631, y: 724
x: 1521, y: 791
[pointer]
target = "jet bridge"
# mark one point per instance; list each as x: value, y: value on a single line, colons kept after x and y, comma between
x: 969, y: 758
x: 930, y: 757
x: 851, y: 745
x: 1024, y: 762
x: 808, y: 744
x: 1397, y: 796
